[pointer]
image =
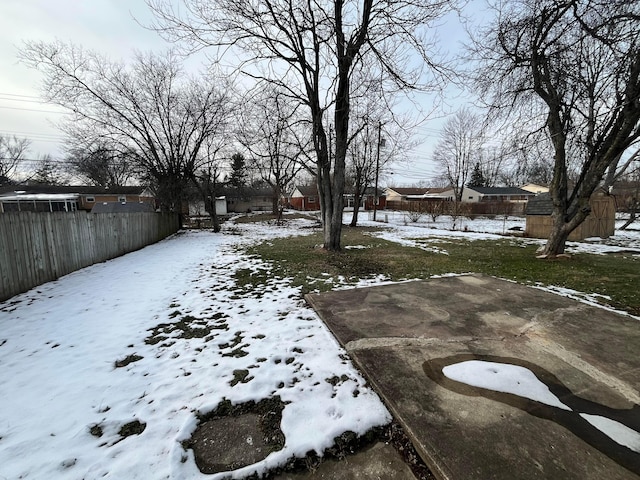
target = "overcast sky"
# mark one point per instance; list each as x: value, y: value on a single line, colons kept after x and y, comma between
x: 110, y: 27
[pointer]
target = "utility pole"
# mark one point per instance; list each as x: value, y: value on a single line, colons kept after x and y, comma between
x: 375, y: 192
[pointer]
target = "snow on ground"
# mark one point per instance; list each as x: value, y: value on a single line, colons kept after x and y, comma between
x: 520, y: 381
x: 398, y: 227
x: 60, y: 341
x: 59, y: 344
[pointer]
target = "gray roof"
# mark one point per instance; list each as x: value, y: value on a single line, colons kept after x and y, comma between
x: 69, y: 189
x: 500, y: 191
x: 307, y: 190
x: 541, y: 204
x: 122, y: 207
x: 410, y: 190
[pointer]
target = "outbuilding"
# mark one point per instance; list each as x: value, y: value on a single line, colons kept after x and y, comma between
x: 599, y: 223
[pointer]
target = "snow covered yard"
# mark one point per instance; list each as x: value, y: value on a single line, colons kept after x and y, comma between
x: 397, y: 227
x: 105, y: 370
x: 142, y: 343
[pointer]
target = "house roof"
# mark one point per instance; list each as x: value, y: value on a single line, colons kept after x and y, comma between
x: 435, y: 191
x: 307, y: 190
x: 70, y: 189
x: 535, y: 188
x: 39, y: 197
x: 122, y: 207
x: 411, y: 191
x: 541, y: 204
x: 350, y: 190
x: 500, y: 191
x: 312, y: 190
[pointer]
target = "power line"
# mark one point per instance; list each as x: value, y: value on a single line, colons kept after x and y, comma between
x: 18, y: 95
x: 34, y: 110
x: 42, y: 136
x: 26, y: 100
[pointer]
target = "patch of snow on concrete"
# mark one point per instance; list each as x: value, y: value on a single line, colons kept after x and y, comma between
x: 503, y: 377
x: 618, y: 432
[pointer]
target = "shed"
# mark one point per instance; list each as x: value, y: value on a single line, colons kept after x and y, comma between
x: 599, y: 223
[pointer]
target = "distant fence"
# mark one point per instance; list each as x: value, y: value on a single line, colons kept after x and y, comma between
x: 445, y: 207
x: 39, y: 247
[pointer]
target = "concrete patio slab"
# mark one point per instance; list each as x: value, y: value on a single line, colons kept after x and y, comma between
x: 404, y: 335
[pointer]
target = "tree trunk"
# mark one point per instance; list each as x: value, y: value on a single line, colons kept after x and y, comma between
x: 633, y: 208
x: 356, y: 208
x: 275, y: 199
x: 215, y: 220
x: 358, y: 193
x: 561, y: 229
x: 557, y: 237
x: 632, y: 218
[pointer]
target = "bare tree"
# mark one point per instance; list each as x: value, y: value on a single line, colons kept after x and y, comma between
x: 100, y: 163
x: 309, y: 50
x: 47, y: 172
x: 518, y: 158
x: 575, y: 64
x: 378, y: 138
x: 208, y: 177
x: 459, y: 149
x: 149, y: 108
x: 12, y: 152
x: 361, y: 162
x: 279, y: 142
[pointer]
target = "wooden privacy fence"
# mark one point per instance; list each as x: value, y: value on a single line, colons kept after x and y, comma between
x: 39, y: 247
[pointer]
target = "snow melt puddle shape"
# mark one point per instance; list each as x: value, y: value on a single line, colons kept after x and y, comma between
x: 615, y: 432
x: 521, y: 381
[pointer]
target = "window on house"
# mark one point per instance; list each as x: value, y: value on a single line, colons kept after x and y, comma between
x: 122, y: 199
x: 471, y: 198
x: 91, y: 199
x: 312, y: 199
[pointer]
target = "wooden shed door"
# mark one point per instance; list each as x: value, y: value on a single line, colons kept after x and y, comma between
x: 603, y: 212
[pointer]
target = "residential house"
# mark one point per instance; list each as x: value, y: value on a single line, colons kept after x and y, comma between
x: 493, y: 200
x: 306, y: 198
x: 122, y: 207
x: 495, y: 194
x: 599, y: 223
x: 399, y: 198
x: 55, y: 198
x: 368, y: 199
x: 535, y: 188
x: 249, y: 200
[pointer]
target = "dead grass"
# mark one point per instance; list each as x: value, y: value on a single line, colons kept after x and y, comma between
x: 314, y: 269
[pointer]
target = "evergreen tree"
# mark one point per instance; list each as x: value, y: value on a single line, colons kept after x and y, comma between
x: 477, y: 177
x: 238, y: 178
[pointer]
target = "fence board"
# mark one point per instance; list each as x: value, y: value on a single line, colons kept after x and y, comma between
x: 39, y: 247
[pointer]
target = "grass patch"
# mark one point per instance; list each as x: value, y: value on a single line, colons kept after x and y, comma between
x: 132, y: 428
x: 127, y: 360
x: 316, y: 270
x: 240, y: 376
